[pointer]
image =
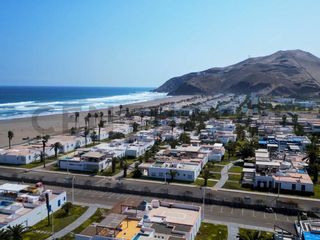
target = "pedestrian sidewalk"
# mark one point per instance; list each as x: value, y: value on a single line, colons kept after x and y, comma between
x: 90, y: 211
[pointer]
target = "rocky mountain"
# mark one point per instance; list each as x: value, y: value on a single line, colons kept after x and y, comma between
x: 288, y: 73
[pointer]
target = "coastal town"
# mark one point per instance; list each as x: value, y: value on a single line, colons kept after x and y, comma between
x: 175, y: 160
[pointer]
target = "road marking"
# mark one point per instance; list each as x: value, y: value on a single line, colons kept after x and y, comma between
x: 287, y: 219
x: 275, y: 216
x: 112, y: 194
x: 221, y: 209
x: 231, y: 210
x: 253, y: 213
x: 242, y: 211
x: 264, y: 215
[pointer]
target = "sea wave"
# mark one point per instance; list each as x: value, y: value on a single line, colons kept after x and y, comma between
x: 30, y: 108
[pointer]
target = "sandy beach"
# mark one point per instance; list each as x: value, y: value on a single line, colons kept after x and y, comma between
x: 31, y: 127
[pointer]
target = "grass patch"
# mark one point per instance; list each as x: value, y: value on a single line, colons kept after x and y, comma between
x: 236, y: 185
x: 210, y: 231
x: 108, y: 172
x: 316, y: 189
x: 200, y: 182
x: 234, y: 177
x: 235, y: 169
x: 97, y: 217
x: 213, y: 167
x: 29, y: 165
x: 60, y: 221
x: 254, y: 234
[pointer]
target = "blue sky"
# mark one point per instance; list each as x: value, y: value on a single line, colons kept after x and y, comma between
x: 144, y: 43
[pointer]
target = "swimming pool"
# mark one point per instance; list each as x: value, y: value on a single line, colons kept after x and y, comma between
x: 4, y: 203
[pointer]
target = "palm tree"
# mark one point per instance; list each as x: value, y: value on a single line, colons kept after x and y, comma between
x: 101, y: 115
x: 57, y: 146
x: 4, y: 234
x: 135, y: 127
x: 141, y: 117
x: 100, y: 125
x: 249, y: 235
x: 127, y: 112
x: 312, y: 151
x: 120, y: 108
x: 113, y: 164
x: 205, y: 175
x: 76, y: 119
x: 109, y: 115
x: 86, y: 133
x: 44, y: 143
x: 172, y: 124
x: 231, y: 148
x: 125, y: 167
x: 89, y: 115
x: 96, y: 115
x: 86, y: 121
x: 93, y: 137
x: 67, y: 208
x: 10, y: 136
x: 284, y: 119
x: 16, y: 232
x: 172, y: 174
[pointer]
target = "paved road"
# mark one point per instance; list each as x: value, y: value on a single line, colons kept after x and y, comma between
x: 222, y: 214
x: 90, y: 211
x: 159, y: 189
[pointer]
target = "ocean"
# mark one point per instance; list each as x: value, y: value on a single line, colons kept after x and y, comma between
x: 19, y: 102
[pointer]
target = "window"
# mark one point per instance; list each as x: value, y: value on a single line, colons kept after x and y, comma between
x: 303, y: 188
x: 293, y: 187
x: 59, y: 203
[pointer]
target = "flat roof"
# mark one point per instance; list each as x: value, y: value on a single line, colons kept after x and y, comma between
x: 112, y: 221
x: 93, y: 155
x: 176, y: 215
x: 13, y: 187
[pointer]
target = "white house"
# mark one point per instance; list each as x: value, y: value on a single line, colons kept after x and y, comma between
x: 26, y: 205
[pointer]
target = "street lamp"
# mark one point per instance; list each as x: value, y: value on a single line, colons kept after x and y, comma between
x: 72, y: 188
x: 52, y: 226
x: 203, y: 200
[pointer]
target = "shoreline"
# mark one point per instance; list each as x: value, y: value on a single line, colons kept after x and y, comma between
x: 59, y: 123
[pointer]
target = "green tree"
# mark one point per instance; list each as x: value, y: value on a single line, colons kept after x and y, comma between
x: 247, y: 150
x: 172, y: 124
x: 231, y: 148
x: 184, y: 138
x: 76, y: 119
x: 284, y: 120
x: 10, y: 137
x: 96, y: 116
x: 57, y: 146
x: 109, y: 115
x: 113, y: 165
x: 136, y: 172
x: 44, y: 144
x: 205, y: 175
x: 67, y: 207
x: 86, y: 133
x: 94, y: 137
x: 16, y: 232
x: 135, y: 126
x: 240, y: 132
x: 172, y: 174
x: 120, y: 109
x: 4, y: 234
x: 125, y: 167
x: 312, y: 150
x: 100, y: 125
x: 101, y: 116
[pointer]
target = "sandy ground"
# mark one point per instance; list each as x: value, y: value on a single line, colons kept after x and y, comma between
x: 58, y: 123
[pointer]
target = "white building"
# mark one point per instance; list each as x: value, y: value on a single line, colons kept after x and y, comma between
x: 146, y: 221
x: 182, y: 171
x: 26, y: 205
x: 86, y: 161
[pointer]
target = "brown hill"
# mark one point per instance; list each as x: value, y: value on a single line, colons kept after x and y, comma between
x: 291, y: 73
